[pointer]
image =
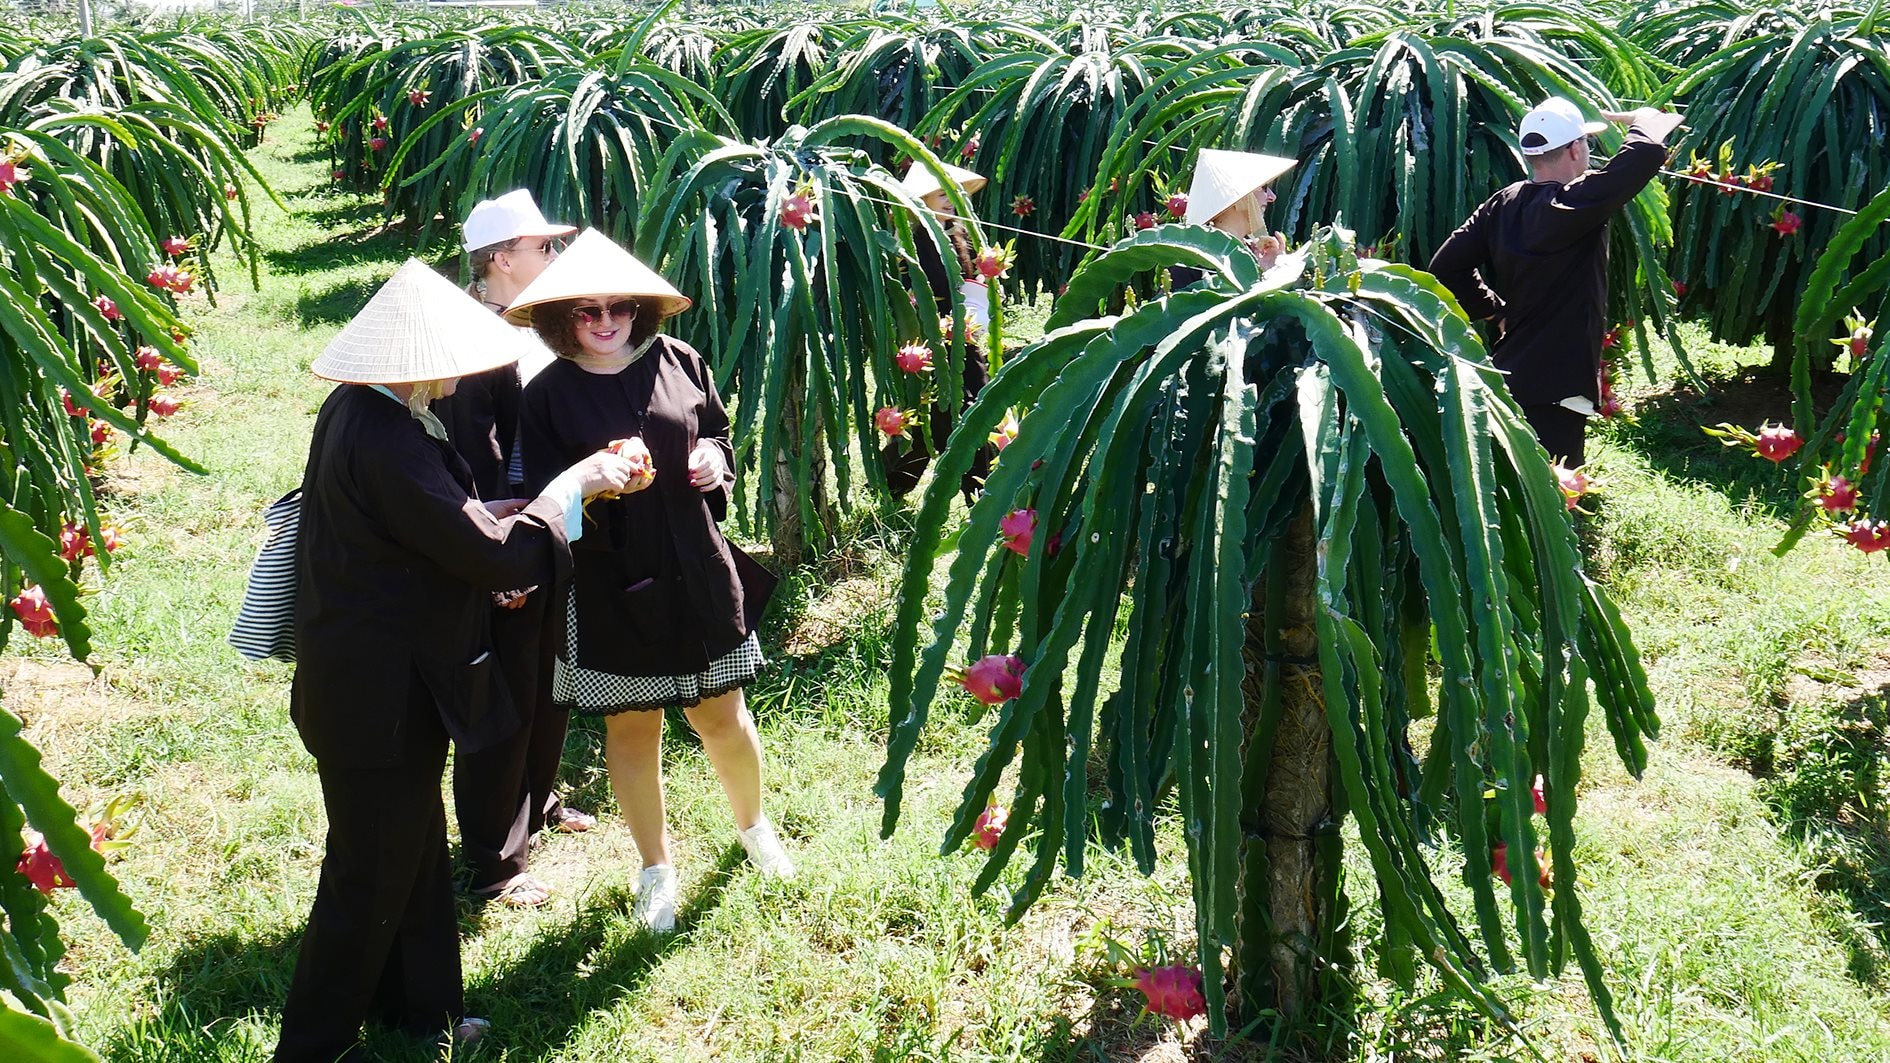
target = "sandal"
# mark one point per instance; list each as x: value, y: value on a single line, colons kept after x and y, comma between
x: 523, y: 891
x: 469, y: 1030
x: 571, y: 821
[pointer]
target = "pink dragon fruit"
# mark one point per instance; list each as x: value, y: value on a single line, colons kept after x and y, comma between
x: 1173, y: 992
x: 1018, y: 528
x: 993, y: 680
x: 35, y: 613
x: 990, y: 826
x: 914, y: 357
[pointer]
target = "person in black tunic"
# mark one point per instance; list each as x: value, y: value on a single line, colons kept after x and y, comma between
x: 1229, y: 192
x: 662, y: 609
x: 395, y: 558
x: 1534, y: 259
x: 506, y: 794
x: 946, y: 270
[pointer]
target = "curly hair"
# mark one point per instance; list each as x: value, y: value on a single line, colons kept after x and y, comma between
x: 557, y: 327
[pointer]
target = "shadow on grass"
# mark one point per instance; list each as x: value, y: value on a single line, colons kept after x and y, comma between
x: 1822, y: 772
x: 1115, y: 1027
x: 212, y: 986
x: 536, y: 1001
x: 1666, y: 432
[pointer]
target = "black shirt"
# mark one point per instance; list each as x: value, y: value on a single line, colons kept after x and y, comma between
x: 481, y: 419
x: 1535, y: 257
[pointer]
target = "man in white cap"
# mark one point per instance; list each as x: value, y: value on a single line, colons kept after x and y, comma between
x: 395, y: 558
x: 504, y: 794
x: 1534, y: 258
x: 508, y: 244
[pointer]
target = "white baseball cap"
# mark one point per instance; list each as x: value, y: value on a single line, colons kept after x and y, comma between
x: 1554, y: 123
x: 515, y: 214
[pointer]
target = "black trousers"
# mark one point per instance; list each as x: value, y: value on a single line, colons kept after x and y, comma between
x: 1561, y: 431
x: 504, y: 794
x: 383, y: 937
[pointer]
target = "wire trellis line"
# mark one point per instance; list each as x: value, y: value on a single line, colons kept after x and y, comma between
x: 1716, y: 183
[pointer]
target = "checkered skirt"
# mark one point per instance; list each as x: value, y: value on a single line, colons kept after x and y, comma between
x: 590, y: 692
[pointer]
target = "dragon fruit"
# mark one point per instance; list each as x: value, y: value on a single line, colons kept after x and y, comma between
x: 40, y: 867
x: 1005, y: 433
x: 35, y: 613
x: 797, y: 211
x: 1173, y: 992
x: 74, y: 542
x: 1837, y: 495
x: 914, y: 357
x: 993, y: 262
x: 990, y: 826
x: 11, y: 173
x: 1777, y: 442
x: 892, y: 421
x: 1772, y: 442
x: 1018, y: 528
x: 993, y: 680
x: 1573, y: 483
x: 1867, y: 535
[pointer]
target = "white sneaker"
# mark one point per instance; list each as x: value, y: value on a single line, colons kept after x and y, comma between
x: 656, y: 899
x: 764, y: 850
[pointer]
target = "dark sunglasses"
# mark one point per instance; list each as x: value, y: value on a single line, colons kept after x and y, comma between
x: 586, y: 316
x: 553, y: 246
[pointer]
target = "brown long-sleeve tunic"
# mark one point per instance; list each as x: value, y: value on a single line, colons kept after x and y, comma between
x: 395, y: 560
x: 659, y: 591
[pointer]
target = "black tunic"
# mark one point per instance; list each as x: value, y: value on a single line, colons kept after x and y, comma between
x: 481, y: 419
x: 1535, y: 257
x: 659, y: 591
x: 395, y: 562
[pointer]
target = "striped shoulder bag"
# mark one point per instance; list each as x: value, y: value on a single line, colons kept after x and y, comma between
x: 265, y: 626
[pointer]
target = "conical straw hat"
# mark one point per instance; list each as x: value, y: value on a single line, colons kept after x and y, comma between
x: 419, y: 326
x: 595, y: 267
x: 919, y: 180
x: 1221, y: 178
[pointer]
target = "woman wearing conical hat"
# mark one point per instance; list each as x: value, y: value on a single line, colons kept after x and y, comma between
x: 396, y: 558
x: 662, y: 609
x: 946, y: 270
x: 1230, y: 192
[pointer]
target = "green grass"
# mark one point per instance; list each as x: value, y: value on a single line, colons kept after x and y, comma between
x: 1734, y: 892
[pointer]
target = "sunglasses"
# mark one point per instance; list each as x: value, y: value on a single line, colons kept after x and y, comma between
x: 586, y: 316
x: 549, y: 248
